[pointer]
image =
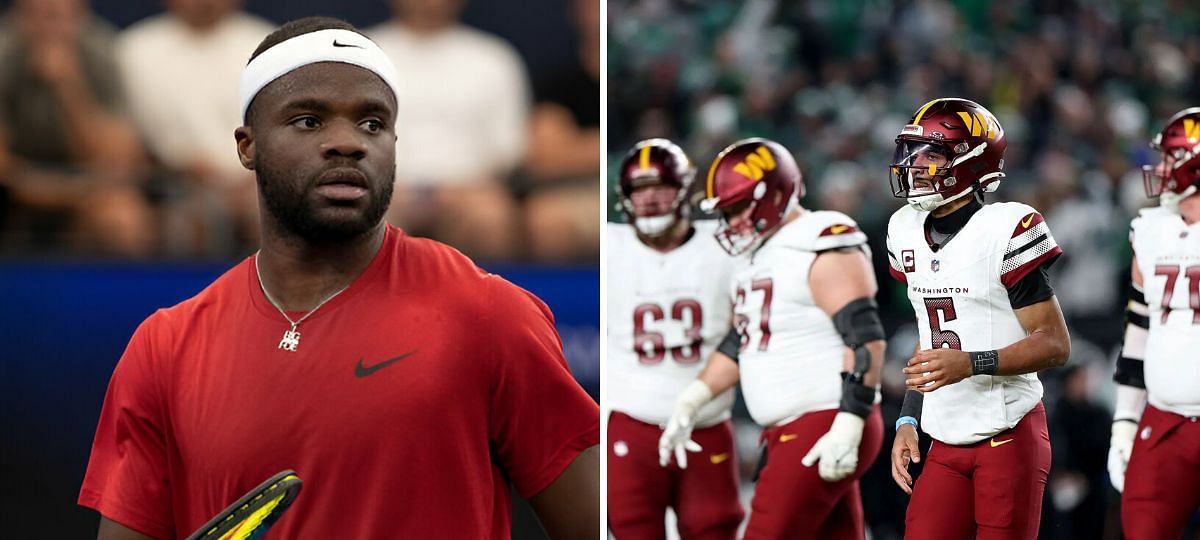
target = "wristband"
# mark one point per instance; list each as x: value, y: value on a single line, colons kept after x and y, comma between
x: 905, y: 420
x: 984, y: 362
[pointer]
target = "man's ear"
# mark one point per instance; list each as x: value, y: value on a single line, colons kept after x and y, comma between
x: 245, y: 146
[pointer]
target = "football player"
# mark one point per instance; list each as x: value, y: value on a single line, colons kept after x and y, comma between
x: 1157, y: 444
x: 976, y: 277
x: 668, y: 309
x: 809, y: 349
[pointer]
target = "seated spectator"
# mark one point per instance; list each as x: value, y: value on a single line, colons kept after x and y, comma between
x: 562, y: 210
x: 70, y: 162
x: 181, y: 70
x: 460, y: 126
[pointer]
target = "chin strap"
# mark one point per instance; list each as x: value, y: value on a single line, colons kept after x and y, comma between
x: 655, y: 225
x: 1171, y: 200
x: 929, y: 203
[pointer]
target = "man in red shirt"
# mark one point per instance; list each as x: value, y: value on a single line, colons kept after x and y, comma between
x: 404, y: 385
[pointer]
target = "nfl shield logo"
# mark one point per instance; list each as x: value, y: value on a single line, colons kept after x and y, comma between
x: 934, y: 265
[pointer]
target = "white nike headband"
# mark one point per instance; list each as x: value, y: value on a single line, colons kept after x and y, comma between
x: 321, y: 46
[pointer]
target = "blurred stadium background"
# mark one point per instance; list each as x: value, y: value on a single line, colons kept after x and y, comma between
x: 120, y: 191
x: 1080, y: 87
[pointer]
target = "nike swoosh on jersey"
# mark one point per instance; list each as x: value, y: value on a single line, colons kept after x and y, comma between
x: 996, y: 443
x: 361, y: 371
x: 785, y: 437
x: 839, y: 229
x: 719, y: 458
x: 1025, y: 222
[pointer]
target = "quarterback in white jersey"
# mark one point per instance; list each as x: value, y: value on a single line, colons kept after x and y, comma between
x: 664, y: 320
x: 808, y: 351
x: 1156, y: 424
x: 976, y: 277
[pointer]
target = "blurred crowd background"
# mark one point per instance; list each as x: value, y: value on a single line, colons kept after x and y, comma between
x: 116, y: 125
x: 1080, y: 88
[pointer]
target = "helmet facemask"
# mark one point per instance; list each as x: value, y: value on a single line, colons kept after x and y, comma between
x: 755, y: 222
x: 923, y: 172
x: 659, y: 224
x: 1176, y: 175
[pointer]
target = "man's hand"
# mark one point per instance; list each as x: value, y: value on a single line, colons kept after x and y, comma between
x: 904, y: 450
x: 1120, y: 447
x: 677, y: 438
x: 837, y: 449
x: 677, y: 434
x: 931, y: 369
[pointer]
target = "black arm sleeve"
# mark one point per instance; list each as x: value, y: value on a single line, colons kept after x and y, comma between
x: 1031, y: 289
x: 912, y: 404
x: 731, y: 344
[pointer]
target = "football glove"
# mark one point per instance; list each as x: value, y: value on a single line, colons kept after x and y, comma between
x: 677, y: 434
x: 1120, y: 447
x: 837, y: 449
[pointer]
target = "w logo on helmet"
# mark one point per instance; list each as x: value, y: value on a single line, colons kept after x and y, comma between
x: 1191, y: 129
x: 755, y: 164
x: 976, y: 122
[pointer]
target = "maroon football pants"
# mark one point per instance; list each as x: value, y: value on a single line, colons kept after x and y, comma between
x: 792, y: 501
x: 1162, y: 482
x: 988, y: 490
x: 704, y: 496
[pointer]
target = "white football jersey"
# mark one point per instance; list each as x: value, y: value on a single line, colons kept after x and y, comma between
x: 792, y: 356
x: 1168, y: 255
x: 667, y: 312
x: 960, y: 296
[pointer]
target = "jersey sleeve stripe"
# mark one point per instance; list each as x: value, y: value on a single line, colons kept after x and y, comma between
x: 837, y: 229
x: 1012, y: 270
x: 834, y: 241
x: 1026, y: 237
x: 1015, y: 252
x: 892, y: 260
x: 898, y: 275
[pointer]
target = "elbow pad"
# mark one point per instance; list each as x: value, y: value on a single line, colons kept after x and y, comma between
x: 1129, y: 370
x: 858, y: 323
x: 731, y: 345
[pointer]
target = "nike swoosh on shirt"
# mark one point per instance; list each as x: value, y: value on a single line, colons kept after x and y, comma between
x: 996, y: 443
x: 361, y: 371
x: 788, y: 436
x: 1025, y: 222
x: 718, y: 458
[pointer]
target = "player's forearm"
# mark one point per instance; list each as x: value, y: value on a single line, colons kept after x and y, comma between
x: 720, y: 374
x: 877, y: 348
x: 568, y: 507
x: 1041, y: 349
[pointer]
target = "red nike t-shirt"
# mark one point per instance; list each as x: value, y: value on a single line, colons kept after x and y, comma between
x: 413, y: 399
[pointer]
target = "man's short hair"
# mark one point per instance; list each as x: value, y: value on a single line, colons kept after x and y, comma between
x: 300, y: 27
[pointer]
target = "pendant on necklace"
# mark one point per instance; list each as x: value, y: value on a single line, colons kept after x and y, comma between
x: 291, y: 340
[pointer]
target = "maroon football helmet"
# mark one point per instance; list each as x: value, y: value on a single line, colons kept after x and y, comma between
x: 655, y: 162
x: 950, y: 148
x: 758, y: 178
x: 1179, y: 169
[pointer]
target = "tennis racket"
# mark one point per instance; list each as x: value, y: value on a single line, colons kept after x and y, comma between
x: 254, y: 513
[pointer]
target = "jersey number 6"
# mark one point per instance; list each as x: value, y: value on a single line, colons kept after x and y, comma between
x: 942, y: 310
